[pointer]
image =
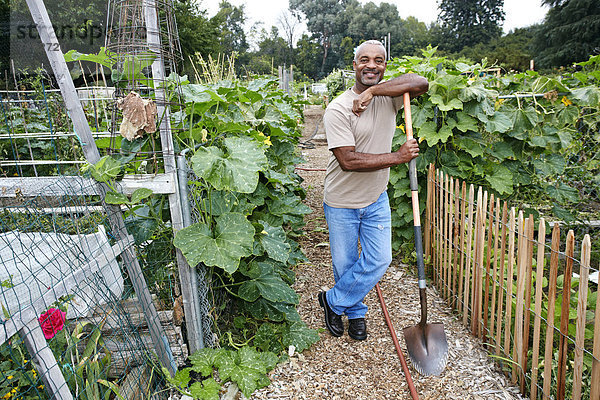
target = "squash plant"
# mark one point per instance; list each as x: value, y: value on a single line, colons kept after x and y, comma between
x: 248, y: 212
x: 537, y: 151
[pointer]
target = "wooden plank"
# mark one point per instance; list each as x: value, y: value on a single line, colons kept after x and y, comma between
x: 488, y: 265
x: 595, y: 378
x: 563, y: 343
x: 79, y: 186
x: 456, y: 236
x: 509, y: 282
x: 495, y: 271
x: 44, y: 361
x: 539, y: 278
x: 529, y: 235
x: 584, y: 271
x: 548, y: 350
x: 468, y: 256
x: 520, y: 290
x: 501, y: 279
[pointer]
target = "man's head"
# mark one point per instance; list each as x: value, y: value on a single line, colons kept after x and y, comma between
x: 369, y: 63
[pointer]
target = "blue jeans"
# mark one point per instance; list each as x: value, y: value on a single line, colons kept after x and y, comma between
x: 357, y: 273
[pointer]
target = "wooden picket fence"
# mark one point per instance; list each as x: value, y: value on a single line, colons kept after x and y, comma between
x: 481, y: 258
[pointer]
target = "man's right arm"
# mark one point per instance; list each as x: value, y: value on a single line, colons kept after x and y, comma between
x: 351, y: 160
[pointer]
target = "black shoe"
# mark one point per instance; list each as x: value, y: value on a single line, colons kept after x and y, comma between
x: 332, y: 320
x: 357, y: 328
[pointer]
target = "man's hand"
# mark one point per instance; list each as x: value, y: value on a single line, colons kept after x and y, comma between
x: 408, y: 151
x: 359, y: 105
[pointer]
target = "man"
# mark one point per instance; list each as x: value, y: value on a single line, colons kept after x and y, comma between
x: 359, y: 125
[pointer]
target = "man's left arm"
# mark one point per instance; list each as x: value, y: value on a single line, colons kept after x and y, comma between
x: 414, y: 84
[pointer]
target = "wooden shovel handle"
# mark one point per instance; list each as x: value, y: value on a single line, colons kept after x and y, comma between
x: 414, y: 189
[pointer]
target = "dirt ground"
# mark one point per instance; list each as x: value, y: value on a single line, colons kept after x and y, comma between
x: 342, y: 368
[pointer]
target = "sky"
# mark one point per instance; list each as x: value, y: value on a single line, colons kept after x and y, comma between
x: 519, y: 13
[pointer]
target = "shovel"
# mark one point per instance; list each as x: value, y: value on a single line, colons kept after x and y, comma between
x: 426, y: 343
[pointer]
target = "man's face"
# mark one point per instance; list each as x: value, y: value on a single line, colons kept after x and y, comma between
x: 370, y: 65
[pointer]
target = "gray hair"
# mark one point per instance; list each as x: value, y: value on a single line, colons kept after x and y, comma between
x: 369, y: 42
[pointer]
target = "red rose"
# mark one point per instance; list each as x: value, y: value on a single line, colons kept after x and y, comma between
x: 52, y: 321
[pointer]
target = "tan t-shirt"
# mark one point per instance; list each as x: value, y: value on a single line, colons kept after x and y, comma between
x: 371, y: 132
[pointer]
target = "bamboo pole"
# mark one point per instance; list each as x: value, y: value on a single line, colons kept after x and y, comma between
x: 564, y: 318
x: 475, y: 268
x: 495, y: 271
x: 488, y: 265
x: 529, y: 232
x: 548, y: 354
x: 501, y: 279
x: 595, y: 378
x: 467, y: 252
x: 584, y: 272
x: 509, y: 281
x: 518, y: 329
x: 539, y: 280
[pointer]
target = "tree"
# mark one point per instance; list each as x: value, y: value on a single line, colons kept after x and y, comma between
x: 289, y: 24
x: 197, y: 34
x: 468, y: 22
x: 323, y: 19
x: 272, y: 52
x: 231, y: 36
x: 308, y: 53
x: 570, y: 32
x: 511, y: 51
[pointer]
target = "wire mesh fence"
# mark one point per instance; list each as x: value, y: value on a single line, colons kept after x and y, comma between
x: 70, y: 317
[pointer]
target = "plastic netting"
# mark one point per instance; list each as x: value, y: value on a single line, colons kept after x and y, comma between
x: 61, y: 272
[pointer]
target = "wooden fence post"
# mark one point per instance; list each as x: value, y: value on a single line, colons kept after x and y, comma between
x: 509, y: 281
x: 456, y: 233
x: 564, y: 317
x: 595, y: 378
x: 488, y: 264
x: 554, y: 251
x: 539, y: 278
x: 446, y: 217
x: 518, y: 327
x: 529, y: 232
x: 461, y: 231
x: 428, y: 212
x: 468, y: 256
x: 584, y: 272
x: 495, y: 272
x: 501, y: 279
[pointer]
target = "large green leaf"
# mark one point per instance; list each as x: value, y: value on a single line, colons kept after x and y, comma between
x: 208, y: 389
x: 273, y: 240
x: 269, y: 286
x: 300, y: 336
x: 205, y: 359
x: 246, y: 367
x: 500, y: 179
x: 232, y: 239
x: 587, y: 96
x: 499, y: 122
x: 552, y: 164
x: 236, y: 169
x: 563, y: 193
x: 466, y: 123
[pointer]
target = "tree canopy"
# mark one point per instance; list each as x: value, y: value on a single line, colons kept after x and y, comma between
x: 570, y: 32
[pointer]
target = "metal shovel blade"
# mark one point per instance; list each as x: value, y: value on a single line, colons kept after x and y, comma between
x: 427, y: 348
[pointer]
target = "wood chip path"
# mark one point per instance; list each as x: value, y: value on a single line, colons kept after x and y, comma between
x: 342, y: 368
